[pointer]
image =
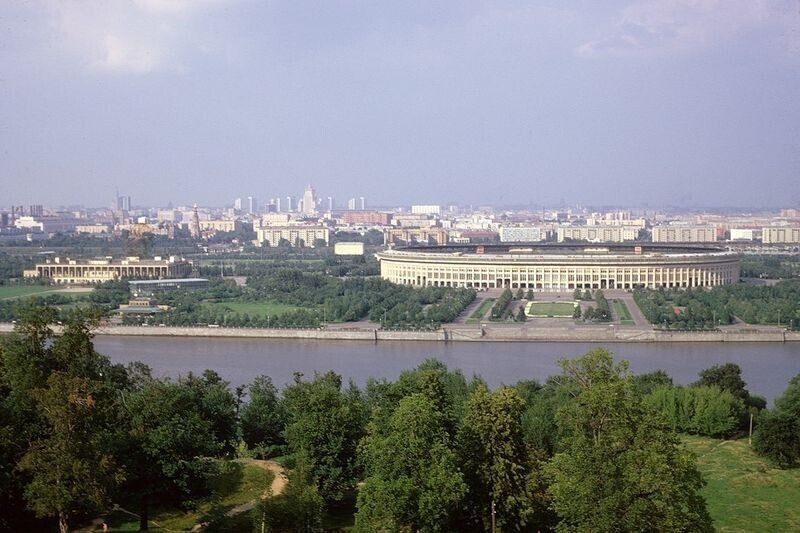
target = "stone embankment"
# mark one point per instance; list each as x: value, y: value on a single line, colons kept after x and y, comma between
x: 456, y: 333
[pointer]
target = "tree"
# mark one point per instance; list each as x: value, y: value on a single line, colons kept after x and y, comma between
x: 166, y: 445
x: 494, y: 459
x: 727, y: 377
x: 649, y: 381
x: 529, y: 294
x: 576, y: 294
x: 299, y: 508
x: 621, y: 468
x: 520, y: 294
x: 325, y: 423
x: 576, y: 313
x: 263, y: 418
x: 70, y: 471
x: 777, y: 435
x: 413, y: 480
x: 521, y: 316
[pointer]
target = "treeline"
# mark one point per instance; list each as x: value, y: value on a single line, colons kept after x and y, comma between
x: 430, y: 451
x: 105, y: 297
x: 320, y: 298
x: 12, y: 267
x: 771, y: 267
x: 702, y: 309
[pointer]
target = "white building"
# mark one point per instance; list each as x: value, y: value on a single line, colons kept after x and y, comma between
x: 684, y: 234
x: 741, y: 234
x: 778, y: 235
x: 348, y: 248
x: 521, y: 234
x: 307, y: 236
x: 426, y: 209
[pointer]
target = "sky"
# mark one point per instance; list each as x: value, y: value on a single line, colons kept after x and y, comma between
x: 633, y: 102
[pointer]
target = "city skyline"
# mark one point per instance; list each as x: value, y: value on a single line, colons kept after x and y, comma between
x: 626, y: 103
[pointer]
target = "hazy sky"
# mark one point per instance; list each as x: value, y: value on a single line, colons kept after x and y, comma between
x: 692, y: 102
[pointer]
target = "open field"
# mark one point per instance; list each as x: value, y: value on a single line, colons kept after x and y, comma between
x: 745, y: 492
x: 8, y: 292
x: 623, y: 313
x: 253, y: 308
x: 550, y: 309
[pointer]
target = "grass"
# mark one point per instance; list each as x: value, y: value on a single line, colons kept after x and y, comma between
x: 238, y: 485
x: 623, y: 313
x: 745, y: 492
x: 550, y: 309
x: 8, y: 292
x: 253, y: 308
x: 482, y: 309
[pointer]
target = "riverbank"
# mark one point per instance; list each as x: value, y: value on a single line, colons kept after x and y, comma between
x: 457, y: 333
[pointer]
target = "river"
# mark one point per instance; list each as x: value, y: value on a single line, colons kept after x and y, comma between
x: 766, y: 367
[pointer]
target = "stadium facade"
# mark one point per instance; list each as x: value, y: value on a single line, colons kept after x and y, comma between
x: 557, y: 267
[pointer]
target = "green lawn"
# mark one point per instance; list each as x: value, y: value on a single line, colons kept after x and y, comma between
x: 254, y: 308
x: 744, y: 492
x: 242, y: 484
x: 482, y: 309
x: 550, y: 309
x: 623, y: 313
x: 8, y: 292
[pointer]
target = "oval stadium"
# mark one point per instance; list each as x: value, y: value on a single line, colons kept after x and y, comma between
x: 560, y: 267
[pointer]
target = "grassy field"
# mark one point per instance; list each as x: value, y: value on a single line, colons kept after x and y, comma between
x: 550, y: 309
x: 744, y: 492
x: 482, y: 309
x: 623, y: 313
x: 254, y: 308
x: 8, y: 292
x: 244, y: 483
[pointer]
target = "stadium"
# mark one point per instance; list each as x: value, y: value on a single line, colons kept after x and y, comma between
x: 560, y: 267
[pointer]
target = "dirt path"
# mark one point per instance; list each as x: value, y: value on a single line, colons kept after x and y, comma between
x: 278, y: 484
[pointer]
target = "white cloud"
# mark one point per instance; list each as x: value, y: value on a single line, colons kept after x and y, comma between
x: 657, y: 26
x: 133, y: 37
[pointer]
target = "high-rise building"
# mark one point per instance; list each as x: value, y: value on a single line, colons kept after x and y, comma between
x: 237, y: 204
x: 278, y: 204
x: 194, y: 227
x: 351, y: 204
x: 309, y: 201
x: 252, y: 205
x: 362, y: 202
x: 36, y: 211
x: 330, y: 203
x: 289, y: 204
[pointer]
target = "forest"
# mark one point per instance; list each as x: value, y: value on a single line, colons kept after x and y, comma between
x: 593, y: 448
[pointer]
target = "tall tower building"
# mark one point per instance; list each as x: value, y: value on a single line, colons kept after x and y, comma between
x: 237, y: 204
x: 351, y: 204
x: 252, y: 205
x: 289, y: 204
x: 362, y: 203
x: 309, y: 201
x: 330, y: 203
x: 194, y: 227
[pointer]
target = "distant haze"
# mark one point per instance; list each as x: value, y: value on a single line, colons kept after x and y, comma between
x: 683, y: 102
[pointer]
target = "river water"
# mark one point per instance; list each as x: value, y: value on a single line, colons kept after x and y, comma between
x: 766, y: 367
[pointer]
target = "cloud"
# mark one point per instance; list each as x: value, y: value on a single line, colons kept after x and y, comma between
x: 131, y: 37
x: 658, y: 26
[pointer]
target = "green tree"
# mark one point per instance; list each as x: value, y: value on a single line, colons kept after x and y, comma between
x: 777, y: 435
x: 325, y: 423
x: 576, y: 313
x: 70, y: 471
x: 521, y: 316
x: 263, y: 418
x: 299, y: 508
x: 495, y: 460
x: 166, y: 446
x: 520, y: 294
x: 413, y: 480
x: 621, y: 468
x: 727, y: 377
x: 529, y: 295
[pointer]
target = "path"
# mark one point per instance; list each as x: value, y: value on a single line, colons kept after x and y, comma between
x: 627, y: 298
